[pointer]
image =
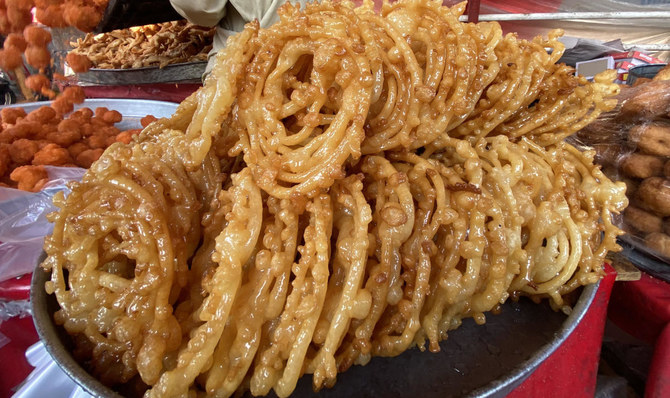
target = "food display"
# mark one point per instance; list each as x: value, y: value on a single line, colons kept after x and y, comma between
x: 347, y: 184
x: 156, y: 45
x: 633, y: 144
x: 24, y: 36
x: 54, y: 135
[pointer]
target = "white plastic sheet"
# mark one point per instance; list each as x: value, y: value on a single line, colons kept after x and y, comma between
x: 23, y: 223
x: 47, y: 379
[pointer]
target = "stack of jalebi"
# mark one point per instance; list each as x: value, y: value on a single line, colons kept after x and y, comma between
x: 347, y: 184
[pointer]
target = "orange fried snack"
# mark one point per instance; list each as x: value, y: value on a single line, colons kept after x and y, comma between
x: 50, y: 136
x: 79, y: 63
x: 30, y: 178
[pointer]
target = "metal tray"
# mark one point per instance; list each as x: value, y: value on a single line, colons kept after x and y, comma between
x: 188, y: 72
x: 132, y: 110
x: 475, y: 361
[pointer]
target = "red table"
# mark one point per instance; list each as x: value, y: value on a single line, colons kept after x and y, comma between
x: 14, y: 368
x: 642, y: 309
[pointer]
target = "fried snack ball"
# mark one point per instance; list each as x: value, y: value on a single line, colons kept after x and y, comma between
x: 97, y: 141
x: 86, y: 158
x: 23, y: 150
x: 62, y: 105
x: 19, y: 14
x: 5, y: 158
x: 82, y: 115
x: 654, y: 194
x: 52, y: 154
x: 84, y: 18
x: 30, y: 178
x: 5, y: 26
x: 659, y: 242
x: 15, y: 40
x: 78, y: 62
x: 36, y: 36
x: 38, y: 57
x: 653, y: 139
x: 642, y: 166
x: 642, y: 220
x: 10, y: 115
x: 112, y: 117
x: 147, y: 120
x: 76, y: 148
x: 43, y: 114
x: 70, y: 96
x: 75, y: 94
x: 67, y: 134
x: 37, y: 83
x: 69, y: 125
x: 52, y: 15
x: 26, y: 129
x: 10, y: 58
x: 100, y: 111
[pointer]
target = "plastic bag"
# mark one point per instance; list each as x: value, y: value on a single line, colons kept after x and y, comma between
x: 23, y: 223
x: 632, y: 144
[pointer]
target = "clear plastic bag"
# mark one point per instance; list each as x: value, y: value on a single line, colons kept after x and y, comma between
x: 23, y: 223
x: 632, y: 144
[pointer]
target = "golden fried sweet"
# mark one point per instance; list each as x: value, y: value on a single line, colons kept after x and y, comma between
x: 150, y: 45
x: 651, y: 101
x: 659, y: 242
x: 642, y: 221
x: 654, y: 194
x: 347, y: 184
x: 652, y: 138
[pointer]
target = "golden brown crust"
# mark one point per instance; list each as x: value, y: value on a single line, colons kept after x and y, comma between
x: 659, y: 242
x: 654, y: 195
x: 642, y: 166
x: 642, y: 221
x: 650, y: 100
x: 653, y: 139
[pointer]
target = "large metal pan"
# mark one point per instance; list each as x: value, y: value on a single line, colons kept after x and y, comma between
x: 475, y: 361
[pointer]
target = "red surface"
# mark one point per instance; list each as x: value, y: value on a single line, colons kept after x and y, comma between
x: 473, y: 11
x: 642, y: 309
x: 14, y: 367
x: 16, y: 288
x: 165, y: 92
x: 571, y: 371
x: 658, y: 379
x: 523, y: 6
